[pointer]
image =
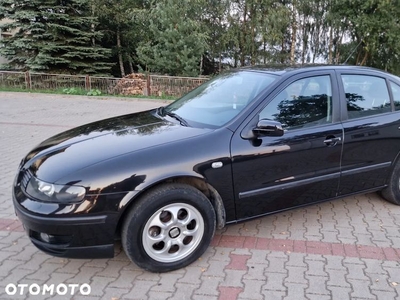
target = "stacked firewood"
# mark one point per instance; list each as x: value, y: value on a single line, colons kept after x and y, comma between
x: 132, y: 84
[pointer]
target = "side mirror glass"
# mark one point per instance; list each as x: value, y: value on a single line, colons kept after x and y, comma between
x: 268, y: 128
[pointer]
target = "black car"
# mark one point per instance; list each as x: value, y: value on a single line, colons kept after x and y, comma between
x: 248, y: 143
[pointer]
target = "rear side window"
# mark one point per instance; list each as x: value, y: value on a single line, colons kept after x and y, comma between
x: 396, y: 95
x: 365, y: 95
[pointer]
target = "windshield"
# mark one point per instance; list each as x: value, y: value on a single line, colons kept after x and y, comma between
x: 219, y: 100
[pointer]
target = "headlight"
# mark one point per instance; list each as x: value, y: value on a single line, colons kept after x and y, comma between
x: 49, y: 192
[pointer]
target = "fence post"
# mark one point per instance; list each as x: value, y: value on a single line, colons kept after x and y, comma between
x: 28, y: 80
x: 148, y: 85
x: 87, y: 83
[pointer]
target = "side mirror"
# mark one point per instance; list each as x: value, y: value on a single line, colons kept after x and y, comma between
x: 268, y: 128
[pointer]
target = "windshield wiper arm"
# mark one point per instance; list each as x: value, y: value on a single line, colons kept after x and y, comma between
x: 162, y: 113
x: 178, y: 117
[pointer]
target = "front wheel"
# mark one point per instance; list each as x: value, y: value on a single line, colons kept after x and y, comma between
x: 168, y: 228
x: 391, y: 193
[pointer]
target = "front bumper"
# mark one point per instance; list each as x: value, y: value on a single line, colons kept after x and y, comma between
x: 68, y: 237
x: 72, y: 234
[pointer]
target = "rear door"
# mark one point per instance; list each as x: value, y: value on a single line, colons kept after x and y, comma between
x: 371, y: 130
x: 303, y: 165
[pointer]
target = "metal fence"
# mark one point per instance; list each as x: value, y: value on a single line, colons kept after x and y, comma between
x: 150, y: 85
x: 13, y: 80
x: 173, y: 86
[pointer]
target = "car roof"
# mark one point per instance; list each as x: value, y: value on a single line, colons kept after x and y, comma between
x: 281, y: 69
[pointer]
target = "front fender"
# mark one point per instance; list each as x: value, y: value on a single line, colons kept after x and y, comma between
x: 140, y: 170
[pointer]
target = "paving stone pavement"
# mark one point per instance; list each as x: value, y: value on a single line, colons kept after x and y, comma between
x: 344, y: 249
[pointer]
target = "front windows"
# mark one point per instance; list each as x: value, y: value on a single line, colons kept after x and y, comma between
x: 304, y: 103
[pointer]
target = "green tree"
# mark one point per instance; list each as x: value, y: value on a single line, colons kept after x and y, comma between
x: 53, y: 36
x: 216, y: 27
x: 374, y: 30
x: 243, y: 29
x: 258, y: 32
x: 179, y: 40
x: 198, y: 36
x: 124, y: 24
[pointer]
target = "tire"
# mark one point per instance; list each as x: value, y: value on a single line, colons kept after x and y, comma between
x: 391, y: 193
x: 168, y: 228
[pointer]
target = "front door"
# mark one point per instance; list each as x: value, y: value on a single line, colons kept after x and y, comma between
x: 303, y: 165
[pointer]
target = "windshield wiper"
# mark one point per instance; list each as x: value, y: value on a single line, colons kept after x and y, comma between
x: 162, y: 113
x: 179, y: 118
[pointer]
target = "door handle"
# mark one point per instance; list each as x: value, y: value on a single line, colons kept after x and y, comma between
x: 331, y: 141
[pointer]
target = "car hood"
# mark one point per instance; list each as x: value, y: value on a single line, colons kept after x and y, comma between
x: 92, y: 143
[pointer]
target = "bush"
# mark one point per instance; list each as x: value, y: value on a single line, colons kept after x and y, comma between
x: 73, y: 91
x: 94, y: 92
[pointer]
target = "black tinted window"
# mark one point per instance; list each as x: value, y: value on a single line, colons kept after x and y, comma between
x: 366, y: 95
x: 396, y: 95
x: 305, y: 102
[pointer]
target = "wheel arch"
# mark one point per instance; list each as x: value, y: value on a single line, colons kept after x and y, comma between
x: 208, y: 190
